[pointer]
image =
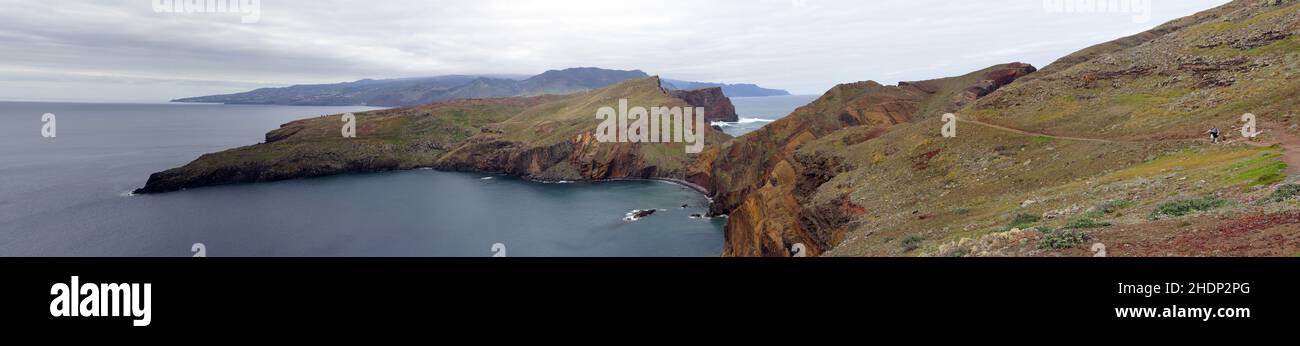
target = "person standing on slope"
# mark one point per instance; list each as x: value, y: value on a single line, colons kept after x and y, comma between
x: 1214, y: 135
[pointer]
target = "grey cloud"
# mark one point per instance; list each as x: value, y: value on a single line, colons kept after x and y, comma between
x: 805, y: 46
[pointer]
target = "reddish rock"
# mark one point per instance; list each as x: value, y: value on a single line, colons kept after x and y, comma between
x: 992, y: 81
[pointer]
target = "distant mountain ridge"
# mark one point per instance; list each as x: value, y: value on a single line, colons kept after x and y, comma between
x: 732, y: 90
x: 417, y: 91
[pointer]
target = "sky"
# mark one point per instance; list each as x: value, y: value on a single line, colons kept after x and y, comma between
x: 126, y: 50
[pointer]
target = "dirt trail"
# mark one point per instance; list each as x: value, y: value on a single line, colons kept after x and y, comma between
x: 1289, y: 142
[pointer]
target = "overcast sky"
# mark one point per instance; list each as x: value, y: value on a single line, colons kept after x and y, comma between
x: 124, y: 50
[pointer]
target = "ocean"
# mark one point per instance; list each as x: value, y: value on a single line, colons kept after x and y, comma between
x: 756, y: 112
x: 69, y: 196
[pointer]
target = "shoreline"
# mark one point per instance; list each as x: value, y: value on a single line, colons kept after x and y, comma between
x: 673, y: 181
x: 680, y: 182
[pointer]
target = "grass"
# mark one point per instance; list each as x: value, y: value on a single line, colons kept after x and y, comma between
x: 1193, y: 158
x: 1279, y: 48
x: 912, y: 242
x: 1109, y: 208
x: 1264, y: 169
x: 1131, y: 99
x: 1040, y: 140
x: 1022, y: 221
x: 1056, y: 108
x: 1219, y: 166
x: 1185, y: 207
x: 1115, y: 206
x: 1085, y: 223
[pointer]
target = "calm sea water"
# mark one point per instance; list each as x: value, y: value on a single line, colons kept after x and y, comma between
x: 67, y: 196
x: 755, y: 112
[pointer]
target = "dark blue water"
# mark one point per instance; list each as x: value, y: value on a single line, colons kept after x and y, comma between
x: 66, y: 196
x: 756, y: 112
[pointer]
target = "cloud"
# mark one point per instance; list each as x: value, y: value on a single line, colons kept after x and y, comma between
x: 806, y: 46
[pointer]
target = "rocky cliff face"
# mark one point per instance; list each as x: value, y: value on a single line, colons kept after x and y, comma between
x: 545, y: 138
x: 991, y: 81
x: 717, y: 107
x: 765, y: 185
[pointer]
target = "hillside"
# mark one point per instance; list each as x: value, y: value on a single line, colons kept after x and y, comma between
x: 1104, y: 146
x: 762, y: 181
x: 418, y: 91
x: 546, y: 137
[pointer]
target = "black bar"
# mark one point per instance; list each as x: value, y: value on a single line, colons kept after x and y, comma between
x: 197, y: 294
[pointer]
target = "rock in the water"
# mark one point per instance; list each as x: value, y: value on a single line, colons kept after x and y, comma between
x: 638, y: 214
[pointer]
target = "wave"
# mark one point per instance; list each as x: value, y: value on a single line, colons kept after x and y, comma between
x: 743, y: 121
x: 632, y: 215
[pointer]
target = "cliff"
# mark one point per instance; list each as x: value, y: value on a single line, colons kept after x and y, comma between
x: 717, y: 106
x: 544, y: 137
x: 763, y: 184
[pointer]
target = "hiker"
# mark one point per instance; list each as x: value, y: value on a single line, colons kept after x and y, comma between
x: 1214, y: 135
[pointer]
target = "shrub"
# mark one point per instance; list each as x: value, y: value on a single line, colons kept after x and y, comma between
x: 1114, y: 206
x: 1283, y: 193
x: 1108, y: 208
x: 1083, y: 223
x: 1061, y: 239
x: 1023, y: 220
x: 1184, y: 207
x: 912, y: 242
